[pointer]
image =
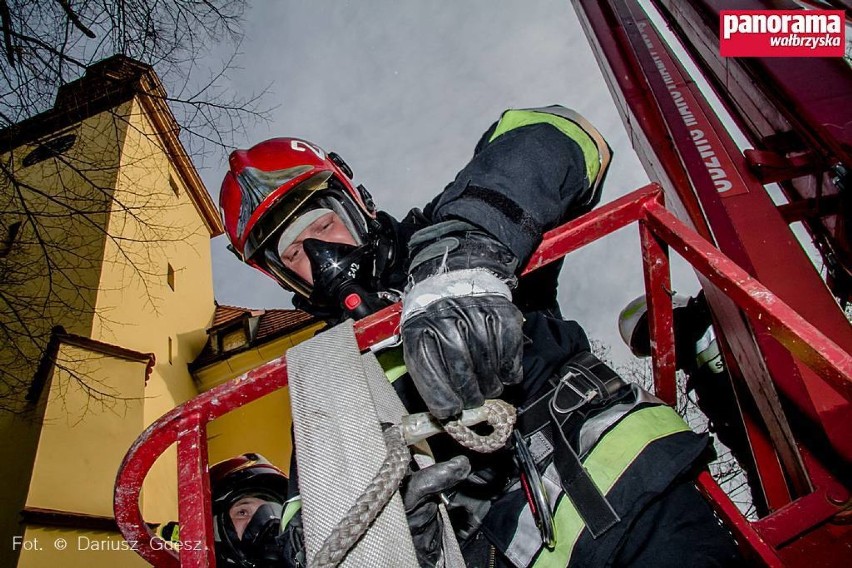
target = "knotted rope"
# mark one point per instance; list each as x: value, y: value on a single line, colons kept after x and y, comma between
x: 498, y: 414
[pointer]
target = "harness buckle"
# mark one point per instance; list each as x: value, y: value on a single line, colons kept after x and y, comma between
x: 581, y: 394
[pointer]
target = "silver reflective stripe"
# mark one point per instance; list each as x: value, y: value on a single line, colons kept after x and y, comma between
x: 291, y: 507
x: 707, y: 352
x: 593, y: 428
x: 526, y: 541
x: 455, y: 283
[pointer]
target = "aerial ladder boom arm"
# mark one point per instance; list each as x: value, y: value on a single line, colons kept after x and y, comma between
x: 711, y: 186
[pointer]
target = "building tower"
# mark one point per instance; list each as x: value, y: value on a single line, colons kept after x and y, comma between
x: 105, y: 272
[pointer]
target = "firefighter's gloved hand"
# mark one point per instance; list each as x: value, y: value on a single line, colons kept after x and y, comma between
x: 420, y: 498
x: 461, y: 334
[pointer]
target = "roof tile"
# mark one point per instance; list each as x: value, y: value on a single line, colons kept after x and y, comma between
x: 273, y: 323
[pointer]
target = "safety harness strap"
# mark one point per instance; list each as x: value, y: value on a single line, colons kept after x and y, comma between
x: 592, y: 506
x: 585, y: 380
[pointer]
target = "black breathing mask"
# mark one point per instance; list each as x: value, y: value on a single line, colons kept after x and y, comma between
x: 343, y: 277
x: 262, y: 543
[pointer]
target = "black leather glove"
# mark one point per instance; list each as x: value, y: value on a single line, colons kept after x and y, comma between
x: 420, y: 499
x: 461, y: 334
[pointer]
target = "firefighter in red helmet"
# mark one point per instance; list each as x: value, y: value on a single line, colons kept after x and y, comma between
x: 473, y: 327
x: 280, y: 187
x: 249, y: 495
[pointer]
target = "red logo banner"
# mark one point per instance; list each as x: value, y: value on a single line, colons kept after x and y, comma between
x: 782, y: 33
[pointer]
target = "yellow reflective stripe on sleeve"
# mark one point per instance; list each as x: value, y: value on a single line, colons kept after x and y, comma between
x: 290, y: 509
x: 169, y: 532
x: 392, y: 363
x: 606, y: 463
x: 513, y: 119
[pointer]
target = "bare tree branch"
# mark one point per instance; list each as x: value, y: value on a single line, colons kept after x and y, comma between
x: 74, y: 19
x: 44, y: 279
x: 6, y: 20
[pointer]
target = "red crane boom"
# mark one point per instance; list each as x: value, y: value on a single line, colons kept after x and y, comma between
x: 798, y: 433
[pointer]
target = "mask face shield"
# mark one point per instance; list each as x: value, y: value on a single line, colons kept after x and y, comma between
x: 266, y: 522
x: 256, y: 542
x: 329, y: 215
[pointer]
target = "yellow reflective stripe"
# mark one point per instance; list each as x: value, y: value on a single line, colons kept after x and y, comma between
x: 631, y: 311
x: 606, y: 463
x: 513, y: 119
x: 169, y: 532
x: 392, y: 363
x: 290, y: 509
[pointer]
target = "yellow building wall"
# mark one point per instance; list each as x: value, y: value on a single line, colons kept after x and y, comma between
x: 262, y: 426
x: 18, y: 443
x: 63, y: 293
x: 74, y: 280
x: 85, y: 434
x: 117, y: 295
x: 139, y: 277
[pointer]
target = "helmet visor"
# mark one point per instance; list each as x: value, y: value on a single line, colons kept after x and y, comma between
x: 282, y: 210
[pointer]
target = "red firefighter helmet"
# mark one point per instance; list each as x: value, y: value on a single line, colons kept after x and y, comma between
x: 246, y: 472
x: 273, y: 185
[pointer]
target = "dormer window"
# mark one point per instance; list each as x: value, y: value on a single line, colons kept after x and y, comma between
x: 233, y: 339
x: 238, y: 335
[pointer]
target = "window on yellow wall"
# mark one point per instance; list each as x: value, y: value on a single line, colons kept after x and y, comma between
x: 50, y: 149
x: 9, y: 239
x: 170, y: 276
x: 174, y: 185
x: 170, y: 350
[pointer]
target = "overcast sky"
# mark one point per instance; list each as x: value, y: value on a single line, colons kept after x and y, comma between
x: 403, y: 90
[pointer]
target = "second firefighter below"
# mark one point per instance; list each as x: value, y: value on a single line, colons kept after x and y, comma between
x: 617, y: 464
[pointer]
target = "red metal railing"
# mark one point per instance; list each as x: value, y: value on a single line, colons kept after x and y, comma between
x: 659, y: 230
